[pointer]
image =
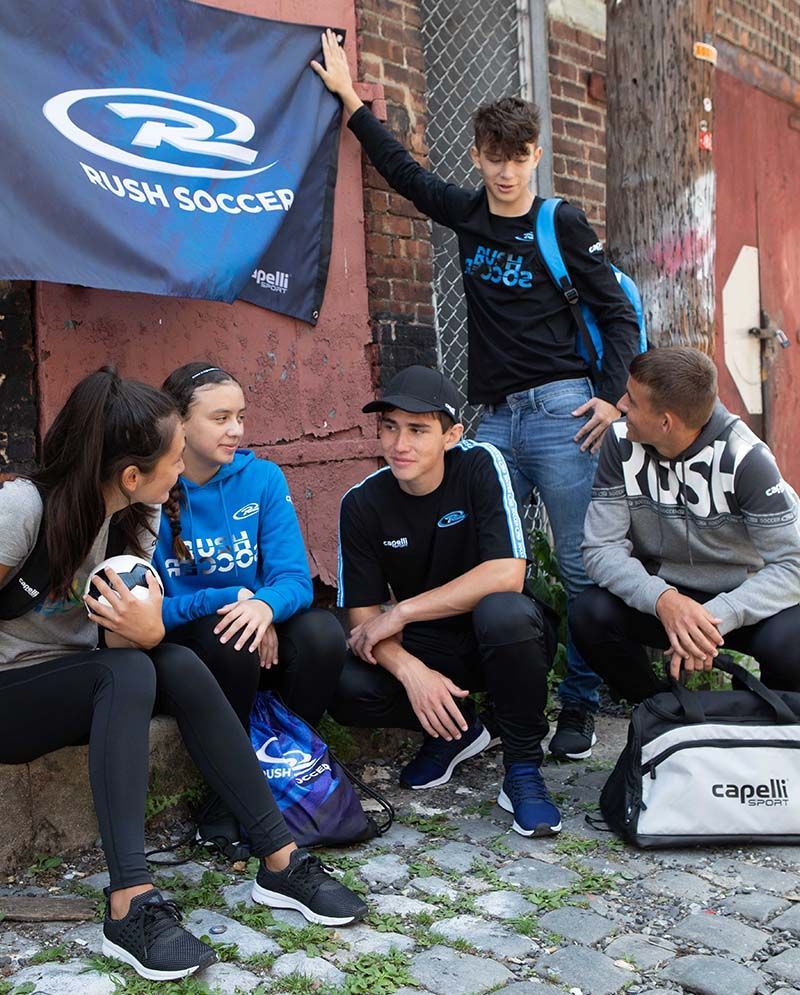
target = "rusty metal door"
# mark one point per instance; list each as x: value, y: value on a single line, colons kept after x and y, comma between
x: 757, y: 162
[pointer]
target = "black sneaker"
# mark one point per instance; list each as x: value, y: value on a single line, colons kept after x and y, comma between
x: 151, y: 939
x: 574, y: 736
x: 437, y: 758
x: 218, y: 829
x: 306, y: 886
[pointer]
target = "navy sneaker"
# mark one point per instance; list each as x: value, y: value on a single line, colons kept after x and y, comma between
x: 437, y: 759
x: 524, y: 793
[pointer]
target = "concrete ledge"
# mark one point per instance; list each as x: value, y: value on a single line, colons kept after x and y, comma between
x: 46, y: 807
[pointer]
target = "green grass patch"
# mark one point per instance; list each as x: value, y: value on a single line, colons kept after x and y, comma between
x: 378, y: 974
x: 433, y: 825
x: 313, y: 939
x: 203, y: 895
x: 49, y: 955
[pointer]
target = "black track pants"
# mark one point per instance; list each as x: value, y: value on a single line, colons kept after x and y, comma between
x: 508, y: 655
x: 611, y: 637
x: 106, y: 698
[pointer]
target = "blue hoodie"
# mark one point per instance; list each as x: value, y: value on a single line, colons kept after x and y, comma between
x: 242, y: 530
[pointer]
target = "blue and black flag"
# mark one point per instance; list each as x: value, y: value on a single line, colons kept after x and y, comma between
x: 165, y: 147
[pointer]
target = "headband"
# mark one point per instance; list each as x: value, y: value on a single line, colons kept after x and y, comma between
x: 210, y: 369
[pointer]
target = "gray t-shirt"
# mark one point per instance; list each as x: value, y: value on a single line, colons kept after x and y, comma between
x: 54, y: 628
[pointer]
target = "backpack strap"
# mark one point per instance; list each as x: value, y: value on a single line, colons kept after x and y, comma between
x: 550, y: 253
x: 31, y: 585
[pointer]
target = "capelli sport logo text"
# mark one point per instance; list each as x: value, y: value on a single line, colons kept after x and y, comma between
x: 207, y: 131
x: 772, y: 795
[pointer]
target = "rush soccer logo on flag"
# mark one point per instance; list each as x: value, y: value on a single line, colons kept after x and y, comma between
x: 166, y: 147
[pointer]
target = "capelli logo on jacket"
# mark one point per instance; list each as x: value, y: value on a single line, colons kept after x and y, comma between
x: 246, y: 511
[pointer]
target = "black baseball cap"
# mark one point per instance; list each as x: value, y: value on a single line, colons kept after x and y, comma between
x: 418, y: 389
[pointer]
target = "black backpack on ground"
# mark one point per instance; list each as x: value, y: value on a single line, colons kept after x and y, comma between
x: 705, y: 767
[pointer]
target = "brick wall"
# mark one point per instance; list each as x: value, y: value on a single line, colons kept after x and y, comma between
x: 399, y: 269
x: 577, y: 86
x: 769, y: 29
x: 18, y: 398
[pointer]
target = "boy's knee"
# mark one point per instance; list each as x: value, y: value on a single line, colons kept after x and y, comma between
x: 592, y: 609
x: 507, y: 617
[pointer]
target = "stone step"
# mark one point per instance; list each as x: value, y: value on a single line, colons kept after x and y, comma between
x: 46, y: 806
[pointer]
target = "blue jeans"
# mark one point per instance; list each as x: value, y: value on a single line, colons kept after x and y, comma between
x: 534, y: 431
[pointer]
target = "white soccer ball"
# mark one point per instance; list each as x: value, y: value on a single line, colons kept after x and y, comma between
x: 132, y: 571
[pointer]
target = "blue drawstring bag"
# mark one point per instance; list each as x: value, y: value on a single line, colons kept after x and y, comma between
x: 313, y: 789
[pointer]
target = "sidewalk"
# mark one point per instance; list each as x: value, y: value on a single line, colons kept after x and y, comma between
x: 461, y: 906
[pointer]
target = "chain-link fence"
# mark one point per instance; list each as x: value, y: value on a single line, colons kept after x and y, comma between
x: 473, y: 55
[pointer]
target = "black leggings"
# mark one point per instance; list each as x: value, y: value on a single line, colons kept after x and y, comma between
x: 311, y: 652
x: 106, y: 698
x: 611, y: 637
x: 508, y: 654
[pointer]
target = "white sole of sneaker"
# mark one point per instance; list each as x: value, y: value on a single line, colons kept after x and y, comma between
x: 575, y: 756
x: 505, y: 803
x: 110, y: 949
x: 275, y: 900
x: 474, y: 748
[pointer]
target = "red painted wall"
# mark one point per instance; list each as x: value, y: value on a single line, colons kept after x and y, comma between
x: 757, y: 148
x: 304, y: 386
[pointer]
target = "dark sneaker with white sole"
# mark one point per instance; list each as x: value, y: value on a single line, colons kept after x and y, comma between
x: 218, y: 830
x: 525, y: 795
x: 574, y: 736
x: 437, y: 758
x: 306, y: 886
x: 151, y: 939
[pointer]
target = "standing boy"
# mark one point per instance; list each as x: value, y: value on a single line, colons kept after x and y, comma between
x: 523, y: 364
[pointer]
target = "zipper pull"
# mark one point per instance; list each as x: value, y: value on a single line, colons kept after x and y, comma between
x: 652, y: 773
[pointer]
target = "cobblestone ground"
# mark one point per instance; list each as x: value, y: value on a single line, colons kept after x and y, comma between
x: 460, y: 905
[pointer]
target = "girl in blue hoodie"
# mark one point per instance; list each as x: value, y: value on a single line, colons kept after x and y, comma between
x: 237, y: 585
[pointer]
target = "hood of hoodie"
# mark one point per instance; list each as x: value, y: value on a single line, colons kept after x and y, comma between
x: 219, y: 524
x: 718, y: 423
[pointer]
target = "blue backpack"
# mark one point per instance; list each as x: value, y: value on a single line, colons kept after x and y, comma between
x: 590, y: 339
x: 313, y: 788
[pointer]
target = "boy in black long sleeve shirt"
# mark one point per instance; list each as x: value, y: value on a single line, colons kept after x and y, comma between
x: 523, y: 362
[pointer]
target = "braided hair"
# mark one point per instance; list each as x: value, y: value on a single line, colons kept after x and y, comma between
x: 181, y: 385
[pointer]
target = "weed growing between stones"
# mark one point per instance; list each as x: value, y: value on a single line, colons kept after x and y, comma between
x: 546, y: 901
x: 226, y: 952
x: 483, y: 809
x: 435, y: 825
x: 49, y: 955
x: 385, y: 922
x: 203, y: 895
x: 254, y: 916
x: 569, y: 845
x: 377, y: 974
x: 259, y: 962
x: 313, y: 940
x: 85, y: 891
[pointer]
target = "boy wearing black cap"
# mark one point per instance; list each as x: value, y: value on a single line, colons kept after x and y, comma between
x: 439, y: 530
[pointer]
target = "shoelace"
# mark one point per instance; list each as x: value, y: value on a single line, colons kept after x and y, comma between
x: 310, y: 867
x: 157, y: 917
x: 526, y: 785
x: 576, y: 719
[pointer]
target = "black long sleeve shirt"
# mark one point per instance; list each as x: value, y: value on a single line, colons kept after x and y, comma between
x: 521, y: 332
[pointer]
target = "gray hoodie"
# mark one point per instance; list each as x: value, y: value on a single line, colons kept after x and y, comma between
x: 718, y: 518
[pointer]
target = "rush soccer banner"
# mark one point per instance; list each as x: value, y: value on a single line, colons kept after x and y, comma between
x: 165, y: 147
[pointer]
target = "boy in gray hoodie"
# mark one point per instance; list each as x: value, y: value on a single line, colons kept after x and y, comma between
x: 691, y: 537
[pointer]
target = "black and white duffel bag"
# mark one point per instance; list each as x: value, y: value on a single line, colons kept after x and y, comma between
x: 706, y: 767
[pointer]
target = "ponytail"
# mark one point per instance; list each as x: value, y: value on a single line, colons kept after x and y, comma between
x: 106, y: 424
